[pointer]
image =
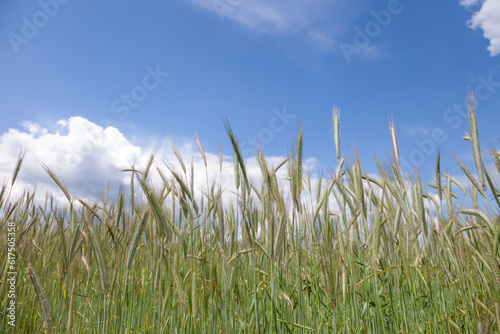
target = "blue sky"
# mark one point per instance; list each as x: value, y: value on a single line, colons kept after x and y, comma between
x: 167, y: 69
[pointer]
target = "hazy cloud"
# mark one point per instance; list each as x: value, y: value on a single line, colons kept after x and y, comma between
x: 416, y: 130
x: 313, y: 20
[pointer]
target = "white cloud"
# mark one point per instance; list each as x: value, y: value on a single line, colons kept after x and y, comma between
x: 468, y: 3
x: 314, y: 20
x: 486, y: 17
x: 321, y: 39
x: 86, y: 157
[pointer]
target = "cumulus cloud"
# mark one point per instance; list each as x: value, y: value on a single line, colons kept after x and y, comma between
x: 486, y: 16
x: 88, y: 158
x: 306, y: 18
x: 84, y: 155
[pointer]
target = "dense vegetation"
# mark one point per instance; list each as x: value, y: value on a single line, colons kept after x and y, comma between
x: 364, y: 254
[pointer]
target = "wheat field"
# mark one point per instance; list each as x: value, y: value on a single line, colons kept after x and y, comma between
x: 393, y: 255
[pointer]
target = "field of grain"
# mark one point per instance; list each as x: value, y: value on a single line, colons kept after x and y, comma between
x: 394, y: 255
